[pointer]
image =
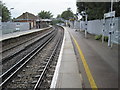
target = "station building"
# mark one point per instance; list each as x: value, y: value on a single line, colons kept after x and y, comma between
x: 34, y: 21
x: 28, y: 17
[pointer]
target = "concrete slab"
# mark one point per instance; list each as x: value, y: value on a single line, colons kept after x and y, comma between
x: 68, y: 72
x: 68, y: 52
x: 70, y: 80
x: 69, y: 67
x: 69, y: 59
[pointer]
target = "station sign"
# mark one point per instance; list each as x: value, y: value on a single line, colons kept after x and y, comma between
x: 110, y: 14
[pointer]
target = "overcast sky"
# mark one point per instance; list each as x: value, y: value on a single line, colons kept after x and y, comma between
x: 35, y: 6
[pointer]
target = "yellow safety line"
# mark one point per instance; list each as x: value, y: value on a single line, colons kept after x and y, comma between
x: 89, y: 75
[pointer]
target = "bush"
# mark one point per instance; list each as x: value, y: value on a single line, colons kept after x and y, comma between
x: 106, y: 38
x: 98, y: 37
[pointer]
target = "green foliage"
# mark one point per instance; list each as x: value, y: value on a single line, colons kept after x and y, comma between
x: 68, y: 14
x: 4, y: 12
x: 96, y: 10
x: 98, y: 37
x: 45, y: 14
x: 54, y: 22
x: 106, y: 38
x: 58, y: 16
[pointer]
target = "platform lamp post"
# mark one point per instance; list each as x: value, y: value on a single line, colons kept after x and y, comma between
x: 83, y: 13
x: 27, y: 16
x: 11, y: 16
x: 78, y: 17
x: 10, y: 11
x: 110, y: 32
x: 75, y: 19
x: 110, y: 15
x: 0, y: 23
x: 111, y: 27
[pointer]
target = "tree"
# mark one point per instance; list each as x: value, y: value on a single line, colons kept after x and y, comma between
x: 45, y: 14
x: 55, y: 21
x: 96, y: 10
x: 4, y: 12
x: 68, y: 14
x: 116, y: 7
x: 58, y: 16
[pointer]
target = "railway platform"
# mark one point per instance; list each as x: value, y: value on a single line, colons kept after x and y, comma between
x: 17, y: 34
x: 67, y: 74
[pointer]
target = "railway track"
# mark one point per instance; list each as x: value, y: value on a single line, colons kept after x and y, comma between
x: 9, y: 48
x: 46, y: 64
x: 47, y: 68
x: 19, y: 50
x: 14, y: 58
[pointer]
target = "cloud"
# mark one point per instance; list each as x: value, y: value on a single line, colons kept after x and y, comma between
x: 35, y: 6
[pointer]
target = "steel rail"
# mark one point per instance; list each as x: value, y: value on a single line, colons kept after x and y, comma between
x: 14, y: 69
x: 16, y: 53
x: 20, y: 43
x: 39, y: 82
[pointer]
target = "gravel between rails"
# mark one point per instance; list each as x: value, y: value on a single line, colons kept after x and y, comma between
x: 15, y: 59
x: 20, y: 43
x: 25, y: 78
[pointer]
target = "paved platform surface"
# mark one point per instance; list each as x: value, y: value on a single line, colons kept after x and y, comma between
x: 67, y: 74
x: 101, y: 59
x: 17, y: 34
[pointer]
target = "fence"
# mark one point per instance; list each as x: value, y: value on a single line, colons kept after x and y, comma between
x: 96, y: 27
x: 10, y: 27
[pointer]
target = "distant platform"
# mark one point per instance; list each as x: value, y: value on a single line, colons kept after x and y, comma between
x: 17, y: 34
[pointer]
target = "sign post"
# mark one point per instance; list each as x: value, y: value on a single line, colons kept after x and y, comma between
x: 110, y: 15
